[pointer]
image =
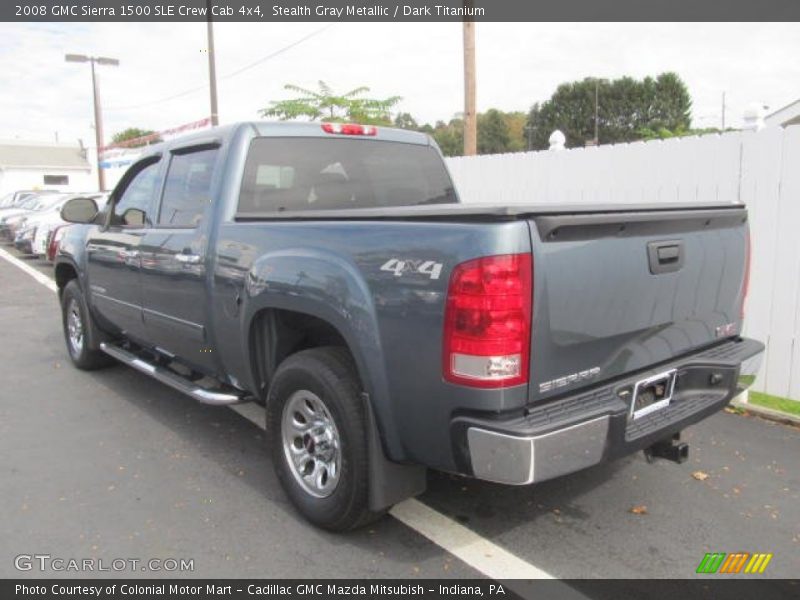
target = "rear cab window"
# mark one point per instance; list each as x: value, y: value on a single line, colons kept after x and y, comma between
x: 312, y: 173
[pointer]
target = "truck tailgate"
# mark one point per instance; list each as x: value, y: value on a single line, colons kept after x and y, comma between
x: 617, y: 292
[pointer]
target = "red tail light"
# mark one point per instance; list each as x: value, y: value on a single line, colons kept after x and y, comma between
x: 746, y: 282
x: 349, y: 129
x: 488, y: 322
x: 52, y: 241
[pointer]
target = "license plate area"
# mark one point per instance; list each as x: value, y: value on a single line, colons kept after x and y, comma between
x: 652, y: 394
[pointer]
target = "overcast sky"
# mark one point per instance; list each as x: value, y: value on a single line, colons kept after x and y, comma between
x: 517, y: 64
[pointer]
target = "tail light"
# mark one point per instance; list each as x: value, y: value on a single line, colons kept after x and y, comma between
x: 488, y: 322
x: 52, y: 241
x: 746, y: 283
x: 349, y: 129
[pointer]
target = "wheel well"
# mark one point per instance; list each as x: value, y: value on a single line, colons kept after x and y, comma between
x: 277, y: 333
x: 65, y: 273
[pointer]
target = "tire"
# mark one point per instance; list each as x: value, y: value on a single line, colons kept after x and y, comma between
x: 318, y: 438
x: 80, y: 331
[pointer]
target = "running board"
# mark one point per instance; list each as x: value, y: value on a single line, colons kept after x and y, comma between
x: 174, y: 380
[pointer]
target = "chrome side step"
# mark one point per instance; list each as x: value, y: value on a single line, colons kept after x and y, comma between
x: 174, y: 380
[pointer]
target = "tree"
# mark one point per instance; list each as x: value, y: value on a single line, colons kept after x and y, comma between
x: 493, y: 136
x: 516, y: 122
x: 626, y: 109
x: 134, y: 133
x: 325, y: 105
x: 450, y: 136
x: 404, y: 120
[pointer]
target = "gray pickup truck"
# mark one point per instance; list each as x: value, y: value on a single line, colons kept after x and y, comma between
x: 330, y: 272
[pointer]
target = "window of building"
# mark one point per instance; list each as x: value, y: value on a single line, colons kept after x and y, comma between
x: 56, y: 179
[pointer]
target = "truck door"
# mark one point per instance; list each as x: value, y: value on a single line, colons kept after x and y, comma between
x: 113, y: 255
x: 174, y: 258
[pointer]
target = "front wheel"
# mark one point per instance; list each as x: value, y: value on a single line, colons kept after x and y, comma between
x: 80, y: 332
x: 318, y: 438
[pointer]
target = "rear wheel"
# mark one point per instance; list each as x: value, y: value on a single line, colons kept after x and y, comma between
x: 318, y: 438
x: 80, y: 332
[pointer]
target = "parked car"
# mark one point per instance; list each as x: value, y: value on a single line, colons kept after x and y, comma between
x: 33, y: 236
x: 12, y: 220
x: 14, y: 199
x: 54, y: 239
x: 330, y: 272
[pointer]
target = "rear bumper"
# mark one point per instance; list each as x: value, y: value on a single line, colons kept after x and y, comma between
x: 581, y: 430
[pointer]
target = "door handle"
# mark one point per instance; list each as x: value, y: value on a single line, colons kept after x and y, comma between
x: 668, y: 254
x: 188, y: 259
x: 665, y: 257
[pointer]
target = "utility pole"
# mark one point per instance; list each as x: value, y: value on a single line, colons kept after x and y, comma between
x: 470, y: 115
x: 723, y: 111
x: 596, y: 112
x: 98, y: 115
x: 529, y: 131
x: 212, y: 68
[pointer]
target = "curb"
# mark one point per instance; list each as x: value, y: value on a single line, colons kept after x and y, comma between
x: 770, y: 414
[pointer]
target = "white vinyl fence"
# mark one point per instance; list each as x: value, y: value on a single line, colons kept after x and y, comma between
x: 761, y: 169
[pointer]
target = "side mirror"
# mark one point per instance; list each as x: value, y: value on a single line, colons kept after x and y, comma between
x: 79, y: 210
x: 133, y: 216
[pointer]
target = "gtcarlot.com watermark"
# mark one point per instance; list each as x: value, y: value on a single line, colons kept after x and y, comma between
x: 49, y: 563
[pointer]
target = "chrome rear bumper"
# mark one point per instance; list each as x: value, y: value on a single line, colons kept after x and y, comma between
x: 508, y: 453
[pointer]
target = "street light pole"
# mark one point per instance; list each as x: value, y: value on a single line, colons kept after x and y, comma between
x: 98, y: 130
x: 212, y: 68
x: 98, y: 116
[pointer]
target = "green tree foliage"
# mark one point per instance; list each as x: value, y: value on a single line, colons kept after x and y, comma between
x: 628, y: 110
x: 498, y: 132
x: 132, y: 133
x: 516, y: 122
x: 493, y: 134
x: 326, y: 105
x: 404, y: 120
x: 450, y: 136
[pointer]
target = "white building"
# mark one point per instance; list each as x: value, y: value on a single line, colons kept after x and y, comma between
x: 788, y: 115
x: 39, y: 166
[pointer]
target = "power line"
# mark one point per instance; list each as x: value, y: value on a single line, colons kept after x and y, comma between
x: 229, y: 75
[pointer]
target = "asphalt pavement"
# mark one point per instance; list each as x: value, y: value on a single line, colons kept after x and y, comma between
x: 112, y: 464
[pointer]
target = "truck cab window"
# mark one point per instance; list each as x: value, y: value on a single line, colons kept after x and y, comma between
x: 187, y: 192
x: 133, y: 206
x: 322, y: 174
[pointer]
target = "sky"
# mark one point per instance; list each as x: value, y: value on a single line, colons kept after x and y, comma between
x: 162, y: 80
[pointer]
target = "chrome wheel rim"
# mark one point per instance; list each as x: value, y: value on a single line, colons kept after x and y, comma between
x: 74, y: 328
x: 311, y: 443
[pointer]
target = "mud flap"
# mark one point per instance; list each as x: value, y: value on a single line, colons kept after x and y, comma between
x: 389, y: 482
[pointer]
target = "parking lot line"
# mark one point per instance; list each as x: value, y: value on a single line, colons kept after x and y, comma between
x: 479, y: 553
x: 38, y: 276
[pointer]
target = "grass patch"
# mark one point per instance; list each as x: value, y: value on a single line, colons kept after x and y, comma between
x: 774, y: 402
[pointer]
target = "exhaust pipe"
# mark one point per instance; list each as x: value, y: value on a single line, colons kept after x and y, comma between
x: 672, y: 449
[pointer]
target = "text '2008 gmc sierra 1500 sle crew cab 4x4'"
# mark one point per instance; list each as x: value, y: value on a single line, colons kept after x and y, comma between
x: 330, y: 272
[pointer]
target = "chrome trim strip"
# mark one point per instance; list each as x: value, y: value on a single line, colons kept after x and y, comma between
x: 117, y: 301
x: 190, y: 328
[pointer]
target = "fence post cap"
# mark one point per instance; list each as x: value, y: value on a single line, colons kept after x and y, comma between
x: 754, y: 116
x: 557, y: 140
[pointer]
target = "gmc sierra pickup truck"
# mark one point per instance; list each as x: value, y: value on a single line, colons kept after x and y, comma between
x: 330, y: 272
